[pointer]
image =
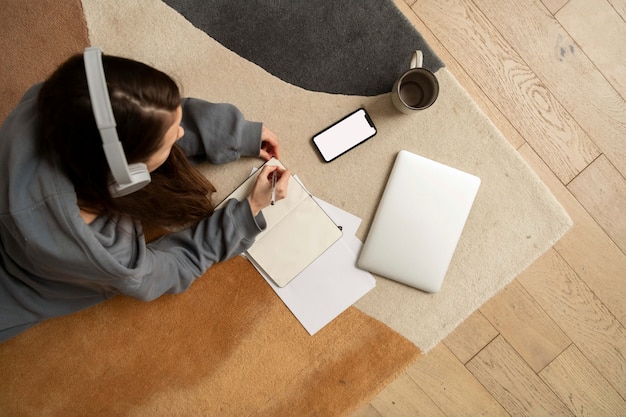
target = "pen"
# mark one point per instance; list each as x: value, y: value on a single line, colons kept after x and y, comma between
x: 273, y: 188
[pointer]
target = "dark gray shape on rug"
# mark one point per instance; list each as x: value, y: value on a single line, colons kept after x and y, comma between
x: 353, y: 47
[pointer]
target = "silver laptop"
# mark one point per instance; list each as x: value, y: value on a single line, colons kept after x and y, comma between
x: 418, y: 222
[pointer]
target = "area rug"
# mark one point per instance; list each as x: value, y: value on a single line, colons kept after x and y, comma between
x: 226, y: 347
x: 514, y: 218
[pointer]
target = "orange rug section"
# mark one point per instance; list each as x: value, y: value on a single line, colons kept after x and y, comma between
x: 228, y: 346
x: 36, y: 36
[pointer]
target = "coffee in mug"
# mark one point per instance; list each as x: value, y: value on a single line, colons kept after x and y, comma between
x: 416, y: 89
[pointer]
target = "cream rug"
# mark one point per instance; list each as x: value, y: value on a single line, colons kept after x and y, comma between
x: 513, y: 221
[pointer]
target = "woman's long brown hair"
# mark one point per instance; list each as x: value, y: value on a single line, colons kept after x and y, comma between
x: 144, y: 102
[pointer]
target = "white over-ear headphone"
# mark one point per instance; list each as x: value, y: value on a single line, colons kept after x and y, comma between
x: 126, y: 178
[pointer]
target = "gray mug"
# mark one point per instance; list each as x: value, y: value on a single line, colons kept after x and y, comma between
x: 416, y: 89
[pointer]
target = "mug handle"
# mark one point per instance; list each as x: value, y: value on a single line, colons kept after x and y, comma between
x: 417, y: 59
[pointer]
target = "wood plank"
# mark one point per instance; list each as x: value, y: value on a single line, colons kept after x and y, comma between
x: 565, y: 71
x: 599, y: 45
x: 602, y: 191
x: 620, y: 7
x: 403, y: 398
x: 581, y: 315
x: 581, y: 387
x: 470, y: 337
x: 510, y: 83
x: 525, y: 326
x: 477, y: 94
x: 513, y: 383
x: 451, y: 386
x: 586, y: 247
x: 554, y: 5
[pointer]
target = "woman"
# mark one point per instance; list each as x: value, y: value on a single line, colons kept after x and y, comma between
x: 66, y: 243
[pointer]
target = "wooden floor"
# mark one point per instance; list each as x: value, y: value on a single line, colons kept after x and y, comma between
x: 551, y: 74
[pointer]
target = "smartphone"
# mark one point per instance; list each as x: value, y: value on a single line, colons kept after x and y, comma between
x: 347, y: 133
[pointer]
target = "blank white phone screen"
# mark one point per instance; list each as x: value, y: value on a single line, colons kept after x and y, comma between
x: 344, y: 135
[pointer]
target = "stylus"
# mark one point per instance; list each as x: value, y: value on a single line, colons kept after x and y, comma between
x: 273, y: 188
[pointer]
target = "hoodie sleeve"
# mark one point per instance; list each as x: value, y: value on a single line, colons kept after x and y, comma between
x: 171, y: 263
x: 218, y: 132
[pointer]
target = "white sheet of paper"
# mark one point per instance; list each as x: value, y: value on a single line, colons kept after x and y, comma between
x: 332, y: 283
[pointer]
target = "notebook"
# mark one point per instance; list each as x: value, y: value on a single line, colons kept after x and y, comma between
x: 418, y: 222
x: 298, y: 231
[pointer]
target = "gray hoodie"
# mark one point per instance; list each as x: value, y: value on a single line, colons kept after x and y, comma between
x: 52, y: 263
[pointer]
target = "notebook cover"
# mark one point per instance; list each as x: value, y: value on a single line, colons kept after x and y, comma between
x: 298, y: 231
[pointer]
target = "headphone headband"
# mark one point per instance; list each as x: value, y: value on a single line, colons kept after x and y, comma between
x: 127, y: 178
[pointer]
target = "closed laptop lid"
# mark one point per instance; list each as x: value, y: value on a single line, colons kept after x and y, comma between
x: 418, y: 222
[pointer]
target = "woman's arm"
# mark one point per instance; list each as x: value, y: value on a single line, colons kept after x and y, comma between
x: 218, y: 132
x: 174, y: 261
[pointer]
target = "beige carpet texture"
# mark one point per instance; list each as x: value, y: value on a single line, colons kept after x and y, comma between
x: 514, y: 218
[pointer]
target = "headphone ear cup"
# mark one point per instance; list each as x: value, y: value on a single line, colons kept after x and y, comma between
x: 139, y: 178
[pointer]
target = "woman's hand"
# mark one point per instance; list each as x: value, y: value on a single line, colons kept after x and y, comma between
x: 269, y: 144
x: 261, y: 194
